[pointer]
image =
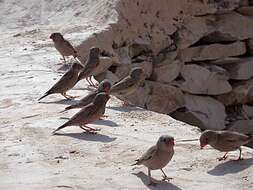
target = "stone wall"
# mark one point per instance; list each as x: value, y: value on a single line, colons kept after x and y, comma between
x: 197, y: 55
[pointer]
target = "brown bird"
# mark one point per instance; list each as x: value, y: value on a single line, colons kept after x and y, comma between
x: 129, y: 84
x: 90, y: 65
x: 224, y: 141
x: 158, y: 156
x: 66, y: 82
x: 63, y: 46
x: 104, y: 86
x: 88, y: 114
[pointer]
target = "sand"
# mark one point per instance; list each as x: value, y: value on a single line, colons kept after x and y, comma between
x: 31, y: 158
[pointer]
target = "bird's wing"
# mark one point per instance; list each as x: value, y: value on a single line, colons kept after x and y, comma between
x: 233, y: 137
x: 62, y: 83
x: 84, y: 114
x: 147, y: 155
x: 123, y: 85
x: 68, y: 44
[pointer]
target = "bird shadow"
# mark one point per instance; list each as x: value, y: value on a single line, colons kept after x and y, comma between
x: 106, y: 122
x: 88, y: 137
x: 161, y: 184
x: 63, y: 101
x: 125, y: 108
x: 231, y: 167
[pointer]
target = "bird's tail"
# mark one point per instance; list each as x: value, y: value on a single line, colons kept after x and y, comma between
x: 46, y: 94
x: 59, y: 128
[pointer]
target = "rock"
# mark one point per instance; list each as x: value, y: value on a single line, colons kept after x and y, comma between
x: 163, y: 98
x: 167, y: 71
x: 139, y: 47
x: 241, y: 70
x: 104, y: 64
x: 225, y: 26
x: 246, y: 11
x: 248, y: 111
x: 145, y: 63
x: 203, y: 80
x: 249, y: 44
x: 198, y: 8
x: 107, y: 75
x: 207, y: 110
x: 212, y: 52
x: 224, y: 61
x: 241, y: 93
x: 122, y: 70
x: 243, y: 126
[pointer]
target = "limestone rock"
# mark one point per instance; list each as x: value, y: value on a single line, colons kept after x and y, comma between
x: 248, y: 111
x: 241, y: 70
x: 246, y: 11
x: 209, y: 111
x: 224, y: 26
x: 241, y: 93
x: 243, y: 126
x: 198, y: 8
x: 107, y: 75
x: 164, y: 98
x: 104, y: 64
x: 145, y: 63
x: 202, y: 80
x: 213, y: 51
x: 167, y: 71
x: 249, y: 44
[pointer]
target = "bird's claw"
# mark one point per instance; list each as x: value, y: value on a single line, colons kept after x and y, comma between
x: 166, y: 178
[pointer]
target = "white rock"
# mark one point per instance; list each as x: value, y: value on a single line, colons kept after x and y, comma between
x: 201, y: 80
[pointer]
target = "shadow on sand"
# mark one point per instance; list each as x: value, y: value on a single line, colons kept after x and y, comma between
x: 63, y: 101
x: 161, y: 184
x: 125, y: 108
x: 231, y: 167
x: 88, y: 137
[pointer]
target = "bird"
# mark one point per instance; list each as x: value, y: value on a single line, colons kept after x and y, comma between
x: 104, y: 86
x: 88, y: 114
x: 90, y: 65
x: 158, y: 156
x: 63, y: 46
x: 129, y: 84
x: 224, y: 141
x: 66, y: 82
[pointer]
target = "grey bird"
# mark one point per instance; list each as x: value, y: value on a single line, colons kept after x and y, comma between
x: 90, y: 65
x: 88, y: 114
x: 224, y: 141
x: 129, y: 84
x: 104, y: 86
x: 63, y: 46
x: 66, y: 82
x: 158, y: 156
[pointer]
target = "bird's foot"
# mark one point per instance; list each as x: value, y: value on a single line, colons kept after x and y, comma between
x: 222, y: 158
x: 166, y: 178
x: 239, y: 158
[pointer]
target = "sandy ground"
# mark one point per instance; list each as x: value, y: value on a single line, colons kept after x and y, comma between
x: 31, y: 158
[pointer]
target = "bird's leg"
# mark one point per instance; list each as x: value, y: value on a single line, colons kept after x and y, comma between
x: 224, y: 157
x: 89, y: 129
x: 64, y: 59
x: 240, y: 155
x: 151, y: 182
x: 95, y: 85
x: 88, y: 81
x: 165, y: 177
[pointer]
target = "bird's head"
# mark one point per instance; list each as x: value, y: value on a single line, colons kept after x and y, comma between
x: 105, y: 86
x: 56, y: 36
x: 94, y: 52
x: 206, y: 137
x: 137, y: 73
x: 165, y: 142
